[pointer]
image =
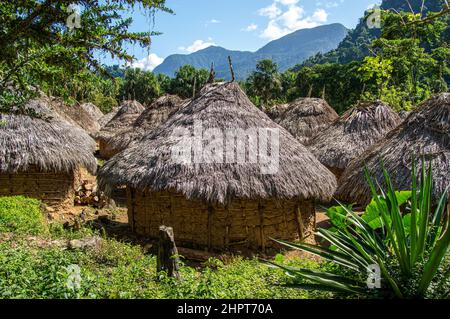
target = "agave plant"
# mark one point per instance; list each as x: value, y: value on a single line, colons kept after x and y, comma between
x: 399, y: 234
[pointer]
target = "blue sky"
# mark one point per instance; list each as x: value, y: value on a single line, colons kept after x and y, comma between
x: 235, y: 24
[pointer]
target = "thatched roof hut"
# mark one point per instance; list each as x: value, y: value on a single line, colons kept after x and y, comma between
x: 76, y: 115
x: 357, y: 130
x: 128, y: 112
x: 220, y: 203
x: 152, y: 117
x: 108, y: 117
x: 92, y: 110
x: 40, y: 154
x: 424, y: 134
x: 305, y: 117
x: 275, y: 111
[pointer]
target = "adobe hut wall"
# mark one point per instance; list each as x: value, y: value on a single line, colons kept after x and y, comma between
x: 54, y: 189
x: 241, y: 223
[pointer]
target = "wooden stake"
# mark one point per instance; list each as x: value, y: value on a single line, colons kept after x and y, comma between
x: 168, y: 259
x: 231, y: 68
x: 193, y: 89
x: 212, y: 74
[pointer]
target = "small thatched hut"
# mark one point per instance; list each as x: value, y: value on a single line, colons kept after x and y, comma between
x: 275, y: 111
x: 108, y: 117
x: 305, y: 117
x: 40, y: 155
x: 76, y: 115
x: 424, y: 134
x: 220, y: 203
x: 357, y: 130
x: 152, y: 117
x: 92, y: 110
x: 128, y: 112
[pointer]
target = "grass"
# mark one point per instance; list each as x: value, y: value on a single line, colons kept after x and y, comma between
x: 122, y: 270
x: 22, y: 216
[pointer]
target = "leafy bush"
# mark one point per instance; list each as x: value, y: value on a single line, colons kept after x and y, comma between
x: 21, y: 215
x: 399, y: 233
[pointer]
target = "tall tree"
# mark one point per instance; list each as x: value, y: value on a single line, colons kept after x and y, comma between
x: 50, y: 41
x: 265, y: 82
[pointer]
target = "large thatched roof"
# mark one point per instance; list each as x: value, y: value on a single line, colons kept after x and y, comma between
x: 152, y: 117
x: 128, y: 112
x: 148, y: 163
x: 357, y: 130
x: 425, y: 133
x: 305, y: 117
x: 92, y: 110
x: 45, y: 140
x: 75, y: 115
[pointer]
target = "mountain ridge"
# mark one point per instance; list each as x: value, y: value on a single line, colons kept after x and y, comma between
x: 286, y: 51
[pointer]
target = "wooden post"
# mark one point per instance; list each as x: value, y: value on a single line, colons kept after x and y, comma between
x: 212, y: 74
x: 301, y: 229
x: 167, y: 253
x: 194, y: 88
x: 210, y: 223
x: 231, y: 68
x: 261, y: 226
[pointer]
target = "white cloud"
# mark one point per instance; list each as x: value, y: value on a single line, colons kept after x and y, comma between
x: 250, y: 27
x: 271, y: 11
x: 289, y: 18
x: 197, y: 45
x: 148, y: 63
x: 320, y: 15
x: 214, y: 21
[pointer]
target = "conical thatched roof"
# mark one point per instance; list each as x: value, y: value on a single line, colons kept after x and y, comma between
x: 92, y: 110
x: 152, y: 117
x: 357, y: 130
x: 149, y: 163
x: 75, y: 115
x: 44, y: 140
x: 108, y: 117
x: 128, y: 112
x: 305, y: 117
x: 275, y: 111
x: 425, y: 133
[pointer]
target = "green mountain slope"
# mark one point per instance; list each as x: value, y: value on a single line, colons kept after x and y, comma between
x: 286, y: 51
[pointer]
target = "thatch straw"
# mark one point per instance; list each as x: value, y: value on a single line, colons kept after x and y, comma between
x: 275, y: 111
x: 424, y: 134
x: 128, y: 112
x: 92, y: 110
x: 46, y: 142
x: 357, y: 130
x: 147, y: 164
x: 152, y: 117
x: 108, y: 117
x: 305, y: 117
x: 75, y: 115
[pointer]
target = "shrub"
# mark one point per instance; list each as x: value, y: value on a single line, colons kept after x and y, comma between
x: 399, y: 233
x: 22, y: 215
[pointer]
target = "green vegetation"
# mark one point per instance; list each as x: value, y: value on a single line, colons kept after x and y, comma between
x: 117, y: 269
x: 22, y: 216
x: 399, y: 232
x: 43, y: 47
x: 402, y: 65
